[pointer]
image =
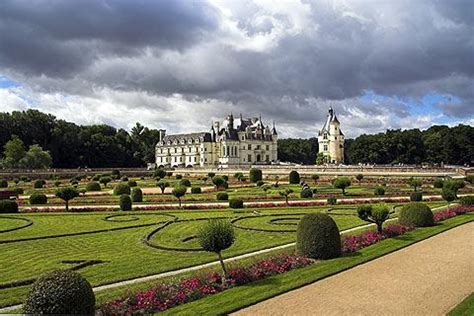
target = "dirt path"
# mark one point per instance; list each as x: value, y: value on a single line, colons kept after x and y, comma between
x: 427, y: 278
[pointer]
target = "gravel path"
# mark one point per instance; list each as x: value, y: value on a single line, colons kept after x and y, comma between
x: 427, y: 278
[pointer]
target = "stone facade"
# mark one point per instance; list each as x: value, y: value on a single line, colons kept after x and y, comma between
x: 331, y: 139
x: 226, y: 144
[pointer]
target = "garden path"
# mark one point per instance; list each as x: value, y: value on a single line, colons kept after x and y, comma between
x: 427, y: 278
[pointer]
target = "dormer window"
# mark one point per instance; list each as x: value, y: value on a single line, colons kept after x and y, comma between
x: 325, y: 136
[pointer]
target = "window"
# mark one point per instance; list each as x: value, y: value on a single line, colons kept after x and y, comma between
x: 267, y: 158
x: 258, y: 147
x: 249, y: 158
x: 195, y: 159
x: 249, y: 147
x: 325, y: 147
x: 175, y: 150
x: 268, y: 147
x: 243, y: 137
x: 325, y: 136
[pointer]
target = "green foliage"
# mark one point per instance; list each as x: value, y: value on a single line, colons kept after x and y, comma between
x: 306, y: 193
x: 3, y: 183
x: 359, y: 177
x: 116, y: 174
x: 341, y: 183
x: 315, y: 178
x: 121, y: 188
x: 137, y: 195
x: 96, y: 177
x: 225, y: 177
x: 211, y: 174
x: 238, y: 175
x: 415, y: 183
x: 260, y: 183
x: 14, y: 152
x: 19, y: 191
x: 219, y: 182
x: 469, y: 178
x: 178, y: 192
x: 298, y: 150
x: 454, y: 185
x: 105, y: 180
x: 376, y: 214
x: 124, y: 179
x: 67, y: 194
x: 60, y: 292
x: 379, y: 191
x: 216, y: 236
x: 132, y: 183
x: 185, y: 183
x: 416, y: 214
x: 36, y: 158
x: 222, y: 196
x: 416, y: 196
x: 125, y: 202
x: 318, y: 237
x: 448, y: 195
x: 179, y: 177
x: 438, y: 183
x: 57, y: 183
x: 196, y: 190
x: 332, y: 200
x: 169, y: 174
x: 467, y: 200
x: 255, y: 175
x: 8, y: 206
x: 236, y: 203
x: 38, y: 198
x: 93, y: 186
x: 159, y: 174
x: 162, y: 185
x: 38, y: 184
x: 294, y: 177
x: 322, y: 159
x: 286, y: 194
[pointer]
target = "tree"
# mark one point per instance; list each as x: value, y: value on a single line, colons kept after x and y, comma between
x: 67, y: 194
x: 162, y: 185
x: 359, y: 177
x: 216, y: 236
x: 301, y: 151
x: 159, y: 174
x: 315, y: 178
x: 104, y: 180
x: 219, y: 182
x: 286, y: 193
x: 179, y: 192
x: 321, y: 159
x: 448, y: 194
x: 36, y: 158
x: 14, y: 152
x: 414, y: 182
x: 341, y: 183
x: 376, y: 214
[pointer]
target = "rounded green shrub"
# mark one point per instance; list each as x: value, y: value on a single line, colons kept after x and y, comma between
x: 115, y: 174
x: 96, y: 177
x: 416, y: 214
x: 93, y: 186
x: 222, y: 196
x: 137, y: 195
x: 379, y: 191
x: 185, y: 183
x: 467, y: 200
x: 60, y: 292
x: 3, y: 183
x: 211, y: 174
x: 416, y: 196
x: 125, y: 202
x: 469, y: 178
x: 196, y: 190
x: 318, y: 237
x: 260, y: 183
x: 332, y: 200
x: 159, y: 173
x: 132, y: 183
x: 8, y: 206
x: 306, y: 193
x: 448, y: 195
x: 294, y: 177
x: 38, y: 198
x: 179, y: 177
x: 38, y: 184
x: 225, y: 177
x: 438, y: 183
x: 255, y: 175
x: 19, y: 191
x: 124, y: 179
x: 236, y: 203
x: 121, y: 188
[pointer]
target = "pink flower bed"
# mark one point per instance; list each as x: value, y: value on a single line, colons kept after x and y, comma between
x: 164, y: 296
x: 453, y: 211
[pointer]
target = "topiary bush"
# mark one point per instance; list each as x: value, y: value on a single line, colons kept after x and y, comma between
x: 317, y: 236
x: 219, y: 182
x: 125, y: 202
x: 294, y: 177
x: 38, y: 198
x: 38, y: 184
x: 115, y: 174
x: 379, y: 191
x: 124, y: 179
x: 196, y: 190
x: 121, y: 188
x: 19, y: 191
x: 93, y: 186
x: 225, y: 177
x: 185, y: 183
x: 255, y: 175
x: 132, y: 183
x: 341, y: 183
x: 179, y: 177
x: 332, y: 200
x: 8, y: 206
x: 448, y: 195
x: 438, y: 183
x: 236, y: 203
x: 96, y: 177
x: 222, y: 196
x: 416, y: 214
x: 137, y: 195
x: 306, y: 193
x: 60, y: 292
x: 159, y: 174
x: 416, y: 196
x: 467, y: 200
x: 3, y: 183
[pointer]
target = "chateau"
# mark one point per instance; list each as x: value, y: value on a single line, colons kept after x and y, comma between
x: 245, y: 142
x: 331, y: 139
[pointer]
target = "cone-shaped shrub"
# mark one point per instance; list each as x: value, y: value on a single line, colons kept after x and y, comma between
x: 294, y: 177
x: 318, y: 237
x: 137, y: 195
x: 416, y: 214
x: 125, y: 202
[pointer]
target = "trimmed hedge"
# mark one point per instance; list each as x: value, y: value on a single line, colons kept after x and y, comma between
x: 8, y: 206
x: 196, y: 190
x: 125, y: 202
x: 38, y: 184
x: 317, y: 236
x: 121, y: 188
x: 93, y: 186
x: 19, y: 191
x: 467, y: 200
x: 137, y: 195
x: 38, y: 198
x: 416, y: 214
x: 185, y: 183
x: 236, y: 203
x: 255, y: 175
x: 379, y: 191
x: 3, y: 183
x: 294, y: 177
x: 306, y: 193
x: 222, y: 196
x: 448, y: 195
x: 60, y: 292
x: 416, y: 196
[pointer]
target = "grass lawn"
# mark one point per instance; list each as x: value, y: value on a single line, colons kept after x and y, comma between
x: 465, y: 308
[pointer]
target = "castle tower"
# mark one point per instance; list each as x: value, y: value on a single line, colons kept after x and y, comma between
x: 331, y: 139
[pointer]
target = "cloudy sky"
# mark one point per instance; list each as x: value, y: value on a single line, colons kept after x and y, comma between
x: 178, y: 64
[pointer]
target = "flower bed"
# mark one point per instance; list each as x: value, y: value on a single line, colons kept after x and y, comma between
x: 453, y: 211
x: 164, y: 296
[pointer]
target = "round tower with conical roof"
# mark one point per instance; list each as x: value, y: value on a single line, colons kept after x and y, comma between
x: 331, y: 139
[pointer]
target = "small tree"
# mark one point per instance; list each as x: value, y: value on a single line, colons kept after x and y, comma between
x: 315, y: 178
x: 215, y: 236
x: 211, y: 174
x: 448, y: 195
x: 104, y: 180
x: 454, y: 185
x: 321, y: 159
x: 162, y: 185
x: 219, y: 182
x: 67, y: 194
x: 377, y: 214
x: 415, y: 183
x: 359, y: 177
x: 341, y: 183
x: 179, y: 192
x: 286, y: 194
x: 159, y: 174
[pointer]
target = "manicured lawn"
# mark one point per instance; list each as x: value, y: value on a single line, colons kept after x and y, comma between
x: 465, y: 308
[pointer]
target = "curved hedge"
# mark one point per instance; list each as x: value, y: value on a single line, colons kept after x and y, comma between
x: 8, y: 206
x: 294, y: 177
x: 60, y: 292
x: 125, y: 202
x: 93, y: 186
x: 416, y: 196
x: 317, y: 236
x: 137, y: 195
x: 222, y: 196
x: 121, y: 188
x: 38, y: 198
x: 416, y: 214
x: 236, y: 203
